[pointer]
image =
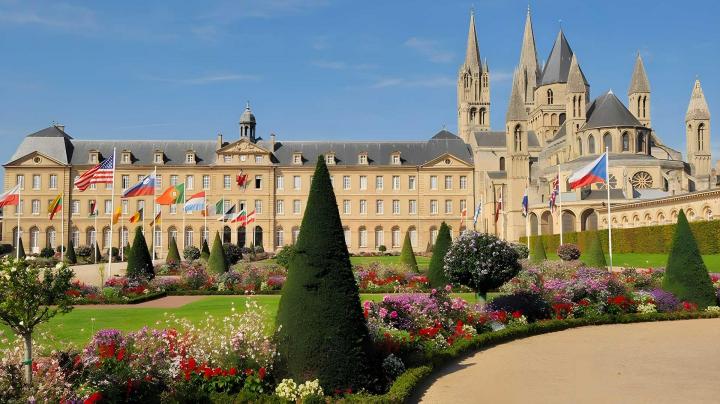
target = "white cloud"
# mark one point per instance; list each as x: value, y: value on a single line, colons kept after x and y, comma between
x: 427, y: 82
x: 205, y: 79
x: 430, y: 49
x: 55, y: 15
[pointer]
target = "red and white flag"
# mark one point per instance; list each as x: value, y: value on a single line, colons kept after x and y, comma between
x: 498, y: 206
x: 11, y: 197
x: 100, y: 174
x: 250, y: 218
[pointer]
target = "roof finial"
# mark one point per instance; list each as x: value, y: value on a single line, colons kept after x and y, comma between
x: 610, y: 92
x: 528, y: 7
x: 247, y: 104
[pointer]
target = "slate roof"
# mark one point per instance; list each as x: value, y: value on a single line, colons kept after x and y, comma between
x: 143, y: 151
x: 639, y: 82
x: 607, y: 110
x: 497, y: 139
x: 557, y: 65
x: 51, y: 141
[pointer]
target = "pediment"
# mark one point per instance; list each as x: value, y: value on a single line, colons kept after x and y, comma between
x: 446, y: 160
x: 242, y: 146
x: 35, y: 159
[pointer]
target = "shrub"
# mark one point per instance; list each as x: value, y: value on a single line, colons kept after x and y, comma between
x: 537, y: 254
x: 70, y: 257
x: 173, y: 255
x: 481, y: 262
x: 217, y: 263
x: 593, y: 255
x: 407, y: 255
x: 522, y: 250
x: 5, y: 249
x: 568, y: 252
x: 686, y: 275
x: 436, y: 271
x: 322, y: 332
x: 284, y: 256
x: 191, y: 253
x: 83, y: 251
x: 233, y: 253
x: 529, y: 304
x: 140, y: 263
x: 382, y: 248
x: 205, y: 251
x: 47, y: 252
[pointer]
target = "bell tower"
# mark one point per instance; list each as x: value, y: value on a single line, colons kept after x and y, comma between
x: 697, y: 132
x: 473, y: 89
x: 247, y: 124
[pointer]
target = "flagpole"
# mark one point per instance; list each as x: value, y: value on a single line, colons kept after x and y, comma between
x: 560, y: 216
x: 112, y: 212
x: 95, y: 214
x: 153, y: 215
x: 527, y: 217
x: 122, y: 233
x: 17, y: 214
x: 607, y: 185
x: 62, y: 228
x: 205, y: 209
x: 183, y: 219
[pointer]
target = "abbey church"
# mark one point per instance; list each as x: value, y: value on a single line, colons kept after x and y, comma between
x: 473, y: 179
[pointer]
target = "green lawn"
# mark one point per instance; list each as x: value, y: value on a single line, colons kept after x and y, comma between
x: 423, y: 262
x: 78, y: 326
x: 634, y: 260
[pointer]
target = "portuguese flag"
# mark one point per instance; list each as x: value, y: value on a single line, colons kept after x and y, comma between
x: 55, y: 206
x: 172, y: 195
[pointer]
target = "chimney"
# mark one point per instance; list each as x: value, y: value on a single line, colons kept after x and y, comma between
x: 272, y: 143
x: 60, y: 126
x: 219, y: 140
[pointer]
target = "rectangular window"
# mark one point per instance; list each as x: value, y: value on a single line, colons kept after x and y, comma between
x: 258, y: 206
x: 20, y: 179
x: 412, y: 207
x: 296, y: 207
x: 173, y: 180
x: 35, y: 206
x: 258, y: 182
x: 396, y: 182
x: 241, y: 205
x: 363, y: 238
x: 53, y: 181
x: 346, y: 206
x: 158, y: 181
x: 279, y: 182
x: 190, y: 182
x: 125, y: 181
x: 173, y: 209
x: 463, y: 205
x: 227, y: 159
x: 433, y: 207
x: 346, y: 182
x: 124, y: 203
x: 35, y: 181
x: 379, y: 238
x: 141, y: 206
x: 363, y: 207
x: 258, y: 159
x: 279, y: 207
x: 75, y: 207
x: 226, y: 205
x: 363, y: 182
x: 226, y: 181
x: 396, y: 207
x: 126, y: 158
x: 206, y: 182
x: 433, y: 182
x: 448, y: 206
x: 411, y: 182
x: 448, y: 182
x: 158, y: 158
x: 297, y: 159
x: 379, y: 207
x: 189, y: 158
x: 379, y: 183
x: 19, y: 207
x: 109, y: 186
x: 296, y: 182
x: 463, y: 182
x: 108, y: 206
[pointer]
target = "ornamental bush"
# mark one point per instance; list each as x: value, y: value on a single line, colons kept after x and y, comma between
x: 233, y: 253
x: 407, y: 255
x: 83, y: 251
x: 481, y: 262
x: 191, y: 253
x: 537, y: 253
x: 522, y: 250
x: 284, y: 256
x: 686, y: 275
x: 531, y: 305
x: 593, y: 255
x: 140, y: 263
x: 217, y: 263
x: 70, y: 256
x: 322, y: 332
x: 47, y: 252
x: 568, y: 252
x: 205, y: 251
x: 20, y: 253
x: 173, y: 255
x: 436, y: 271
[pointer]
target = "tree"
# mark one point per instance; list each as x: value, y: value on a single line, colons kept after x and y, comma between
x: 537, y: 254
x: 31, y: 296
x: 407, y: 255
x: 686, y: 275
x: 436, y: 271
x: 173, y: 255
x: 140, y: 263
x: 322, y: 332
x: 97, y: 257
x: 205, y: 251
x: 593, y: 256
x: 20, y: 253
x: 217, y: 263
x: 284, y: 256
x: 481, y: 262
x: 70, y: 256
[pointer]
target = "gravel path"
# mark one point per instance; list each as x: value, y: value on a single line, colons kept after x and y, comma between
x: 663, y: 362
x: 167, y: 302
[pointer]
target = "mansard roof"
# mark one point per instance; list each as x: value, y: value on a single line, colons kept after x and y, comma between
x: 143, y: 151
x: 557, y: 65
x: 51, y: 141
x: 498, y: 139
x: 608, y: 111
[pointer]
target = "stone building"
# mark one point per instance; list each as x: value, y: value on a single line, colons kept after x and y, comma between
x: 552, y: 127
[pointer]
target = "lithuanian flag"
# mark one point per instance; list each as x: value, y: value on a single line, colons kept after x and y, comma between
x: 172, y: 195
x: 55, y: 206
x: 137, y: 216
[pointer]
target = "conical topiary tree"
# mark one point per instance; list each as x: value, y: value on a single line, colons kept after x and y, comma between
x: 173, y: 255
x: 322, y: 333
x: 593, y: 255
x: 407, y: 255
x: 97, y: 255
x: 686, y: 275
x: 537, y: 253
x: 436, y: 271
x: 217, y: 263
x: 140, y: 263
x: 70, y: 256
x: 20, y: 252
x: 205, y: 251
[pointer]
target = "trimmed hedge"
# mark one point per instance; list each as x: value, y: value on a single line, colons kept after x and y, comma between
x: 648, y: 240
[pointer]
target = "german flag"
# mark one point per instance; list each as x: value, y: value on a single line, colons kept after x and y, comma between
x: 156, y: 220
x: 137, y: 216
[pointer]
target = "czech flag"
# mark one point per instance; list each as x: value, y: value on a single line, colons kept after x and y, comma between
x: 195, y: 202
x: 11, y: 197
x: 591, y: 173
x: 145, y: 187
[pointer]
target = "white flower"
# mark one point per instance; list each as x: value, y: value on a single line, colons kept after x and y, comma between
x: 713, y: 309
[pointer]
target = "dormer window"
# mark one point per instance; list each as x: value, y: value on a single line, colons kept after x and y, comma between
x: 330, y: 158
x: 363, y: 158
x: 190, y: 157
x: 158, y: 158
x: 94, y: 157
x: 297, y: 158
x: 126, y: 157
x: 395, y: 159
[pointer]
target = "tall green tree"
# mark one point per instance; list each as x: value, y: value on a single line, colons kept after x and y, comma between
x: 70, y: 256
x: 593, y: 255
x: 537, y: 253
x: 140, y: 263
x: 436, y: 270
x: 173, y: 255
x: 322, y: 332
x: 217, y: 263
x: 20, y: 249
x: 407, y: 255
x: 205, y: 251
x: 686, y: 275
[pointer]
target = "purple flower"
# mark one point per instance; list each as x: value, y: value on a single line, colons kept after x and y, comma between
x: 665, y: 301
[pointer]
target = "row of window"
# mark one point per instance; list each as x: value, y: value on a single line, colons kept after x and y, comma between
x: 395, y: 182
x: 37, y: 181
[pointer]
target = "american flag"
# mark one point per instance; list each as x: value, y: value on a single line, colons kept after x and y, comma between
x: 555, y: 189
x: 100, y: 174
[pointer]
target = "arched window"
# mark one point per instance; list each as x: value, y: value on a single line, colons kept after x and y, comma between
x: 172, y: 234
x: 90, y: 236
x: 607, y: 141
x: 591, y: 144
x: 549, y: 96
x: 644, y: 106
x: 433, y: 234
x: 296, y: 232
x: 579, y: 144
x: 575, y: 105
x: 51, y: 237
x: 473, y: 115
x: 379, y: 237
x: 15, y: 236
x: 124, y: 241
x: 241, y: 236
x: 205, y: 234
x: 641, y: 143
x: 395, y: 237
x: 625, y: 142
x: 188, y: 237
x: 362, y: 237
x: 639, y: 106
x: 483, y: 116
x: 279, y: 237
x: 412, y: 231
x: 701, y: 136
x: 74, y: 236
x: 226, y: 235
x: 258, y: 240
x: 562, y: 119
x: 502, y: 163
x: 518, y: 139
x: 107, y: 238
x: 34, y: 239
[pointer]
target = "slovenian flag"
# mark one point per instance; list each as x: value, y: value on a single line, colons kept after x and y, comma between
x: 146, y: 186
x: 525, y: 203
x: 196, y: 202
x: 591, y: 173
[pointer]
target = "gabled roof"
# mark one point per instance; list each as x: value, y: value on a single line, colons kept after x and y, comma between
x: 639, y: 82
x: 557, y: 65
x: 608, y: 111
x: 444, y: 134
x: 499, y: 140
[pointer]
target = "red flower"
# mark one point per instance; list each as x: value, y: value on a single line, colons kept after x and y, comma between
x: 248, y: 372
x: 517, y: 314
x: 233, y: 371
x: 94, y: 398
x: 261, y: 373
x: 121, y: 354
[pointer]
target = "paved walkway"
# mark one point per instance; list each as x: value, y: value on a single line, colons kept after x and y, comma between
x: 167, y: 302
x: 664, y: 362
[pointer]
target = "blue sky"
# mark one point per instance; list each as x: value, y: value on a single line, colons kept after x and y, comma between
x: 321, y: 69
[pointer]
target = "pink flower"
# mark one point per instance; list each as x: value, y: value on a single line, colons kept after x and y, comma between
x: 383, y: 312
x: 393, y: 314
x: 448, y: 288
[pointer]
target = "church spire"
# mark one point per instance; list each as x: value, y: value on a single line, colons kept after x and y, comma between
x: 516, y: 108
x: 698, y: 108
x: 529, y: 71
x: 576, y: 80
x: 472, y: 55
x: 639, y: 82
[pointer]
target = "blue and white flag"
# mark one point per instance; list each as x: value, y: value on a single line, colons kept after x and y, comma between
x: 525, y: 203
x: 478, y: 211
